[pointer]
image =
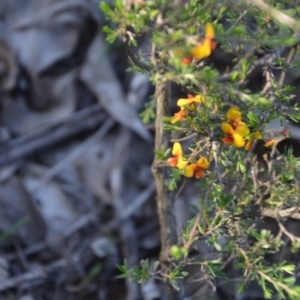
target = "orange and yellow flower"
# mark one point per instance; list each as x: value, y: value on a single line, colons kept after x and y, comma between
x: 202, y: 49
x: 190, y: 101
x: 183, y: 103
x: 235, y: 129
x: 234, y: 116
x: 179, y: 115
x: 197, y: 169
x: 205, y: 47
x: 177, y: 160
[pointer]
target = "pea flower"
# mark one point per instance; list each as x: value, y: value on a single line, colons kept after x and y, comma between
x: 177, y: 160
x: 234, y: 116
x: 182, y: 103
x: 190, y: 101
x: 235, y: 129
x: 205, y: 47
x: 179, y: 116
x: 197, y: 169
x: 202, y: 49
x: 255, y: 136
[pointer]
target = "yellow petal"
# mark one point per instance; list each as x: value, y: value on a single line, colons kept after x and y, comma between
x: 181, y: 162
x: 199, y: 99
x: 242, y: 129
x: 202, y: 50
x: 177, y: 150
x: 183, y: 102
x: 203, y: 163
x: 209, y: 31
x: 238, y: 141
x: 226, y: 128
x: 189, y: 170
x: 233, y: 114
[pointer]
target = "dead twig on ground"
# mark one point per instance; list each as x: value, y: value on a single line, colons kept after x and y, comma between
x: 39, y: 139
x: 92, y: 140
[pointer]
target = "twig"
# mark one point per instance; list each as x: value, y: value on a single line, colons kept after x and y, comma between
x: 135, y: 60
x: 277, y: 282
x: 92, y: 140
x: 215, y: 151
x: 288, y: 234
x: 77, y: 117
x: 184, y: 138
x: 200, y: 216
x: 39, y: 139
x: 113, y: 224
x: 132, y: 207
x: 37, y: 273
x: 28, y: 251
x: 269, y: 80
x: 192, y: 233
x: 288, y: 60
x: 285, y: 213
x: 180, y: 188
x: 278, y: 15
x: 164, y: 198
x: 266, y: 60
x: 237, y: 20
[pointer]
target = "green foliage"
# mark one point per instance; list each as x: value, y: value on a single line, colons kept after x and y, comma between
x: 140, y: 275
x: 238, y: 191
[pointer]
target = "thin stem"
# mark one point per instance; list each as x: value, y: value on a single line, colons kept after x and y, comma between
x: 164, y: 198
x: 215, y: 151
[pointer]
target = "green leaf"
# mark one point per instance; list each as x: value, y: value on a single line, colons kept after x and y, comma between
x: 145, y: 263
x: 288, y: 268
x: 217, y: 246
x: 96, y: 269
x: 234, y: 75
x: 253, y: 119
x: 119, y: 4
x: 105, y: 7
x: 174, y: 284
